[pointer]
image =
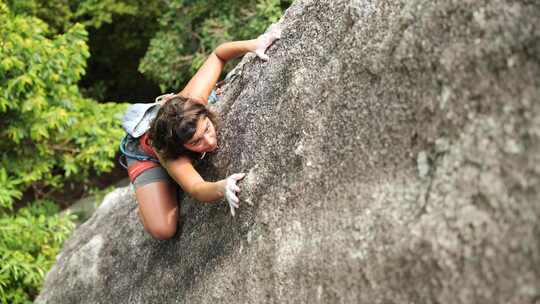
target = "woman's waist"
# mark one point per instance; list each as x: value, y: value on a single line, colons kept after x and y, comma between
x: 137, y: 148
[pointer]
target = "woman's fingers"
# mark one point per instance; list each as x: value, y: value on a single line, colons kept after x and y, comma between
x: 233, y: 204
x: 231, y: 189
x: 266, y: 40
x: 235, y: 200
x: 275, y: 31
x: 232, y: 200
x: 277, y: 34
x: 262, y: 55
x: 238, y: 176
x: 230, y: 194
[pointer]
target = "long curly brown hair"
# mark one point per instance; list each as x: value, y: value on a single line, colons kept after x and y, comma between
x: 175, y: 124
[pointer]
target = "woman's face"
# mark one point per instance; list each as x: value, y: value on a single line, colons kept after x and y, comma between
x: 204, y: 139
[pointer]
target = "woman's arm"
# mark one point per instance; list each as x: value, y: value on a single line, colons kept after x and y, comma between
x: 182, y: 171
x: 201, y: 84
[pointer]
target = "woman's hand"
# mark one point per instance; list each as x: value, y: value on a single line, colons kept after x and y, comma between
x: 265, y: 40
x: 201, y: 84
x: 231, y: 189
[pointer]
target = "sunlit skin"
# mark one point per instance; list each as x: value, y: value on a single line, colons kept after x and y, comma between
x: 205, y: 137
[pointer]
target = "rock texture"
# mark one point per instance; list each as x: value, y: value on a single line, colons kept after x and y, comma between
x: 393, y: 156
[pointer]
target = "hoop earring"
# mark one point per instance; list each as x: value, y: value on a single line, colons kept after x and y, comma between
x: 203, y: 154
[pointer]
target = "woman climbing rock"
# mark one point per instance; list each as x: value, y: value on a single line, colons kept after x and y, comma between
x: 165, y: 138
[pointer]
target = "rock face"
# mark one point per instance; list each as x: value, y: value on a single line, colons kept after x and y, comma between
x: 393, y: 156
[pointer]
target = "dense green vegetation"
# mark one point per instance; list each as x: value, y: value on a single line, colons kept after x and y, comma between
x: 189, y: 30
x: 49, y: 134
x: 58, y: 126
x: 29, y: 242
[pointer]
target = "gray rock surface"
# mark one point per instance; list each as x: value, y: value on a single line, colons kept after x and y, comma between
x: 85, y: 207
x: 393, y: 156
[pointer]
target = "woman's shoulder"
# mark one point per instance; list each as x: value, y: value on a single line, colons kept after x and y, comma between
x: 182, y: 159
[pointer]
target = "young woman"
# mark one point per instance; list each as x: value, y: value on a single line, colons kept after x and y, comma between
x: 176, y: 131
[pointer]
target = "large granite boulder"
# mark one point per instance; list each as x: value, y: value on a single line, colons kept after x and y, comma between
x: 393, y: 156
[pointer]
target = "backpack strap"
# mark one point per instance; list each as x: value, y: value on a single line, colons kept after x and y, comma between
x: 146, y: 147
x: 139, y: 157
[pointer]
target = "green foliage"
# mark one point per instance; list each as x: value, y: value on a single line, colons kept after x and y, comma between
x: 61, y: 15
x: 29, y: 243
x: 116, y: 50
x: 120, y: 31
x: 49, y: 132
x: 190, y: 30
x: 97, y: 12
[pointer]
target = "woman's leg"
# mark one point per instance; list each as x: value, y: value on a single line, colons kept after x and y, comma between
x: 156, y: 194
x: 158, y: 208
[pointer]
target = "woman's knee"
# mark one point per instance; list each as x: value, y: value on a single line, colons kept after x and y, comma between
x: 162, y: 231
x: 158, y: 209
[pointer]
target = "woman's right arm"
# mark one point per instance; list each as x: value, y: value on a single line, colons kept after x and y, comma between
x: 182, y: 171
x: 203, y: 82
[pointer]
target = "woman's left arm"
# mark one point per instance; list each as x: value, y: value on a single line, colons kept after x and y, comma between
x: 202, y: 83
